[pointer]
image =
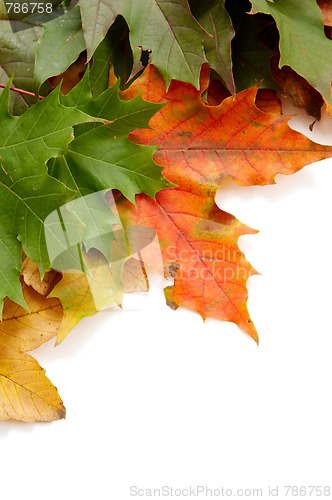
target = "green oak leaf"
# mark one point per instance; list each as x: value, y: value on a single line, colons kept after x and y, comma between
x: 114, y: 50
x: 303, y: 44
x: 60, y: 45
x: 112, y: 161
x: 215, y: 19
x: 100, y: 71
x: 102, y: 155
x: 127, y: 115
x: 27, y: 193
x: 121, y: 54
x: 166, y: 27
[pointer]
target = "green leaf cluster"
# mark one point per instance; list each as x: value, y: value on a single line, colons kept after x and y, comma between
x: 58, y: 152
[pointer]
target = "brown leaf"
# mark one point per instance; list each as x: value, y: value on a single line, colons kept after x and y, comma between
x: 216, y: 92
x: 25, y: 391
x: 27, y: 330
x: 268, y: 101
x: 303, y: 95
x: 72, y: 76
x: 31, y: 276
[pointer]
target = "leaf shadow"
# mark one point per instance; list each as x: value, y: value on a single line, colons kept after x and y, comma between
x: 9, y: 426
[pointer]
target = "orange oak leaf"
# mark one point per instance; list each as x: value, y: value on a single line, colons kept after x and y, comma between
x: 198, y: 243
x: 266, y: 99
x: 199, y: 144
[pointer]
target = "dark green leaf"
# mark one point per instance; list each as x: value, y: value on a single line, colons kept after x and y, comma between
x: 251, y: 58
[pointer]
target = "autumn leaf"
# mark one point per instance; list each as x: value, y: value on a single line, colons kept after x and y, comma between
x: 101, y: 158
x: 32, y: 194
x: 303, y: 95
x: 25, y: 392
x: 198, y: 242
x: 268, y: 101
x: 26, y: 330
x: 200, y: 145
x: 31, y: 277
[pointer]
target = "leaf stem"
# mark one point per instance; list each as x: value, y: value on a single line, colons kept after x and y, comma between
x: 21, y: 91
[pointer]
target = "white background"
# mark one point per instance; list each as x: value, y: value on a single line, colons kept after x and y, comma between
x: 156, y: 397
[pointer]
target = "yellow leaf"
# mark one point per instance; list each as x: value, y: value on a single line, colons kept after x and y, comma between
x: 26, y: 330
x: 25, y: 391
